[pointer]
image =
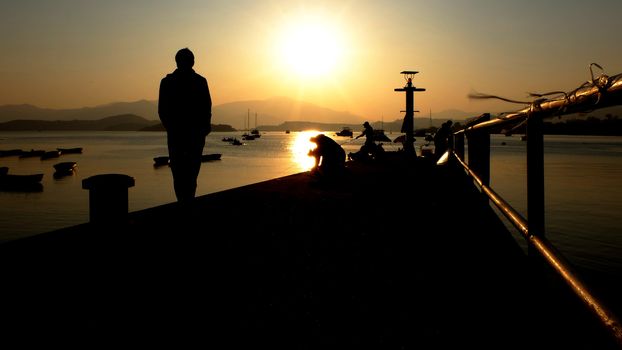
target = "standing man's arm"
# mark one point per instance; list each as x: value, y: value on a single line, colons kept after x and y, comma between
x: 164, y: 104
x: 207, y: 118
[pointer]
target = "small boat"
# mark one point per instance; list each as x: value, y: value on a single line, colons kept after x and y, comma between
x: 210, y: 157
x: 11, y: 152
x: 345, y: 131
x: 32, y: 153
x: 380, y: 136
x: 70, y: 150
x: 13, y: 178
x: 21, y: 183
x: 236, y: 142
x: 164, y: 160
x: 66, y: 167
x: 160, y: 161
x: 50, y: 154
x: 287, y: 131
x: 248, y: 137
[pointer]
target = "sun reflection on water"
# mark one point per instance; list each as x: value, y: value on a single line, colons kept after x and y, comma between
x: 300, y: 147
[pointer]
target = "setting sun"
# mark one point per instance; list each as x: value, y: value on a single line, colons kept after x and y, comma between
x: 310, y: 47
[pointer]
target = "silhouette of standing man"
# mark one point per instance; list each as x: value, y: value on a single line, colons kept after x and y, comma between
x: 185, y: 109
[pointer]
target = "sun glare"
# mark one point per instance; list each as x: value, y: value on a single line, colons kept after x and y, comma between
x: 300, y: 148
x: 310, y: 48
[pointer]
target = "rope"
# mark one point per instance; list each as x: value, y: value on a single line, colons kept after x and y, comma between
x: 481, y: 96
x: 602, y: 82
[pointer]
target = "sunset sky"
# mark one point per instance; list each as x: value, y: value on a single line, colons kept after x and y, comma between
x: 344, y: 55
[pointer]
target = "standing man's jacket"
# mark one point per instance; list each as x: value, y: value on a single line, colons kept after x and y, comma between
x: 185, y: 104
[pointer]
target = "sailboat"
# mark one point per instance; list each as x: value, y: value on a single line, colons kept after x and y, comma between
x: 379, y: 133
x: 255, y: 132
x: 248, y: 136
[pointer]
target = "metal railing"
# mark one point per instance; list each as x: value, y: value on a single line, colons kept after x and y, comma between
x: 598, y: 93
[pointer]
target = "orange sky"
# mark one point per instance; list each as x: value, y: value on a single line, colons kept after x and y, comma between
x: 345, y: 55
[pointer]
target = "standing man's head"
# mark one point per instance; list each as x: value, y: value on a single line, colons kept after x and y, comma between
x: 184, y: 58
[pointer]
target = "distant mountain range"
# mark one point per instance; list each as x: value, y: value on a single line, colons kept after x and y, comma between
x: 277, y: 110
x: 125, y: 122
x: 240, y: 114
x: 268, y: 114
x: 142, y: 108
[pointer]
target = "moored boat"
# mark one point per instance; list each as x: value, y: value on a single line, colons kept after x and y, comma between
x: 32, y: 153
x: 65, y: 167
x: 50, y: 155
x: 70, y: 150
x: 10, y: 152
x: 21, y: 183
x: 345, y: 131
x: 160, y: 161
x: 380, y: 136
x: 210, y: 157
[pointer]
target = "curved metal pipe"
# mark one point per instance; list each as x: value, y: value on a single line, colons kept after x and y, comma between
x: 547, y: 251
x: 596, y: 95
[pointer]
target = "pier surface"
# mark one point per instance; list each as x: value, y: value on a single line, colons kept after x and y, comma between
x: 394, y: 254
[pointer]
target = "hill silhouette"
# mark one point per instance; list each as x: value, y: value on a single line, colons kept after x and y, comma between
x: 142, y: 108
x: 277, y: 110
x: 125, y: 122
x: 270, y: 112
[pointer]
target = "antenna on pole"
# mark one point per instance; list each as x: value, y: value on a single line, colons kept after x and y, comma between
x: 408, y: 126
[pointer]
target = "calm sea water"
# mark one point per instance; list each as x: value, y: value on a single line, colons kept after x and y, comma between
x: 63, y: 202
x: 583, y: 192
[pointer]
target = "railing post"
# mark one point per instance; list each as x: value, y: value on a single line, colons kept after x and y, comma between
x: 535, y: 176
x: 479, y: 151
x: 108, y: 198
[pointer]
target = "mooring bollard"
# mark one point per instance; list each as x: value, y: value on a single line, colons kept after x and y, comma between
x: 108, y: 199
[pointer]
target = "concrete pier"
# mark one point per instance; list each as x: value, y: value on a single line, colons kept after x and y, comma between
x: 395, y: 254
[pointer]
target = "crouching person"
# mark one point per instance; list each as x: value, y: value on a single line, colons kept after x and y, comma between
x: 330, y: 157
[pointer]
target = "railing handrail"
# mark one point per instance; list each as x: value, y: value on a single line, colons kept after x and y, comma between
x: 600, y: 92
x: 547, y: 250
x: 604, y: 92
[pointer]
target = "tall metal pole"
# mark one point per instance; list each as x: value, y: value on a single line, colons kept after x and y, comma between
x: 408, y: 126
x: 535, y: 176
